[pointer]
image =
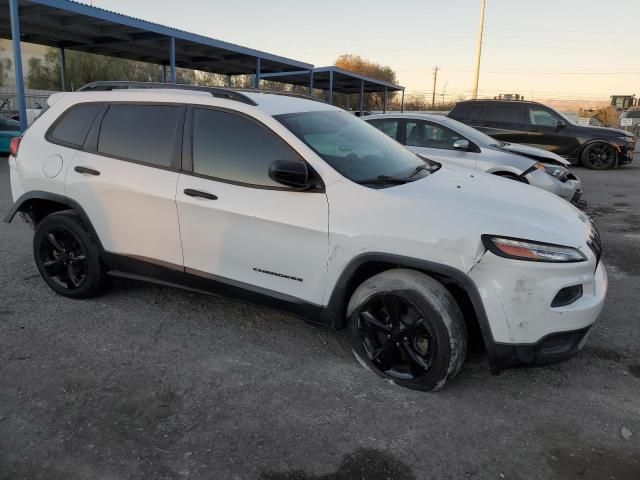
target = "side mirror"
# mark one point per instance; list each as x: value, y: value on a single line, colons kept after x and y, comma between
x: 561, y: 124
x: 461, y: 144
x: 292, y: 173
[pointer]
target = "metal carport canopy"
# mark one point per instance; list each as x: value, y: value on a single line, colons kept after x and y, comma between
x: 334, y: 79
x: 75, y: 26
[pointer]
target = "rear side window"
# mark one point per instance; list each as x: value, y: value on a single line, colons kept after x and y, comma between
x: 504, y: 113
x: 232, y: 147
x: 75, y: 123
x: 143, y: 133
x: 8, y: 125
x: 388, y: 126
x: 475, y: 113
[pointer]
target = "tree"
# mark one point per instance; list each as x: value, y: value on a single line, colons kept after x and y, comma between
x: 82, y: 68
x: 362, y: 66
x: 5, y: 66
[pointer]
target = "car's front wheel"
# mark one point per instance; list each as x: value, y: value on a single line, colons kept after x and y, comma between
x: 407, y: 327
x: 598, y: 156
x: 67, y: 257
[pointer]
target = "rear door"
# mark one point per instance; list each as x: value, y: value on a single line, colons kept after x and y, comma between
x: 125, y: 179
x: 505, y: 121
x: 435, y: 142
x: 239, y: 227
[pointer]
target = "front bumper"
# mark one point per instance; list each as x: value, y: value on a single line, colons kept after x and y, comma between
x: 553, y: 348
x: 570, y: 189
x: 517, y: 298
x: 626, y: 154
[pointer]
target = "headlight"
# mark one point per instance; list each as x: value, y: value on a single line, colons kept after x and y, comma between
x: 555, y: 170
x: 519, y: 249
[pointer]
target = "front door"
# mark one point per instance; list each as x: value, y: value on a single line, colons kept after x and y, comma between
x: 238, y: 226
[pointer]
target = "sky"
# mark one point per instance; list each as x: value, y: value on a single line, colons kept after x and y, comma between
x: 562, y: 49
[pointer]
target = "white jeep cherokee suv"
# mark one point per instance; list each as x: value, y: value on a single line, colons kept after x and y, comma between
x: 294, y: 204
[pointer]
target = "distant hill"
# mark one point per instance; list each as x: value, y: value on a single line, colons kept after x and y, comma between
x: 572, y: 105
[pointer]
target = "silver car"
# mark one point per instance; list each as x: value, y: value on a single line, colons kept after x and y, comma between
x: 452, y: 143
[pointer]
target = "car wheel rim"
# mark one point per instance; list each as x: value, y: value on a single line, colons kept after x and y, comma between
x: 600, y: 155
x: 63, y: 258
x: 396, y: 337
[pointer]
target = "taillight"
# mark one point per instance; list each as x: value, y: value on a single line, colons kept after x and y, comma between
x: 14, y: 145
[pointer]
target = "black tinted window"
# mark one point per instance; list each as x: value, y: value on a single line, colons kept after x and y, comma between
x: 543, y: 117
x: 75, y: 123
x: 475, y: 113
x: 145, y: 133
x: 232, y: 147
x: 8, y: 125
x: 505, y: 112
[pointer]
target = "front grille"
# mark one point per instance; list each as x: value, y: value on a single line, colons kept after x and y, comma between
x: 595, y: 241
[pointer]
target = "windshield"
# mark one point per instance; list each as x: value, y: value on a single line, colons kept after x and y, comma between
x: 357, y: 150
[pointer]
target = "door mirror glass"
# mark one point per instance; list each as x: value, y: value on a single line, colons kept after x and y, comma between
x: 291, y: 173
x: 461, y: 144
x: 561, y: 124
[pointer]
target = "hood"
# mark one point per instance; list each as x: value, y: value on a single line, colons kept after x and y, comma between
x: 608, y: 131
x: 489, y: 204
x: 535, y: 154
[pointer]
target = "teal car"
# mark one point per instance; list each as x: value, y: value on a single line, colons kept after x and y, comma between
x: 8, y: 129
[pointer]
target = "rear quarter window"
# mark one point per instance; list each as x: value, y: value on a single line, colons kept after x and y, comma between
x: 74, y: 124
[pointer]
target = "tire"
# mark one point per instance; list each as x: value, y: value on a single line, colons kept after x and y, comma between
x: 598, y: 156
x: 511, y: 176
x: 423, y: 344
x: 67, y: 256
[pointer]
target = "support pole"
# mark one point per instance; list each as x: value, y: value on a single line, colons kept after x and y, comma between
x: 435, y: 83
x: 228, y: 80
x: 63, y: 69
x: 172, y: 60
x: 402, y: 103
x: 164, y: 73
x: 256, y: 80
x: 361, y: 97
x: 479, y: 51
x: 384, y: 106
x: 17, y: 62
x: 310, y: 82
x: 330, y: 87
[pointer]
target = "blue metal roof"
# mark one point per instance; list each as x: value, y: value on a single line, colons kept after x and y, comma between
x: 77, y: 26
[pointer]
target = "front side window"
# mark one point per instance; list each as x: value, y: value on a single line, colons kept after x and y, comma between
x: 75, y: 123
x: 425, y: 134
x: 388, y: 126
x: 542, y: 117
x: 234, y: 148
x: 142, y: 133
x: 357, y: 150
x: 505, y: 113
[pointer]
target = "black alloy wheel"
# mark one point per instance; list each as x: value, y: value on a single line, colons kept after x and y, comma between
x: 599, y: 156
x: 396, y: 337
x: 67, y: 257
x: 63, y: 257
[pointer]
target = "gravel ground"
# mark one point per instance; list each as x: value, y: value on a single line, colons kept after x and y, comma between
x: 151, y: 382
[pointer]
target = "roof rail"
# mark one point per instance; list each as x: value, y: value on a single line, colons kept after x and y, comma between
x: 285, y: 93
x: 218, y: 92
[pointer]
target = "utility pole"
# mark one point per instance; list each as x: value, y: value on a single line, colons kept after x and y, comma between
x: 479, y: 52
x: 444, y: 89
x: 435, y: 81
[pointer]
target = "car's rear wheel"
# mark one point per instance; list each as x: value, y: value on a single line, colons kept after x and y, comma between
x: 598, y: 156
x: 407, y: 327
x: 67, y: 257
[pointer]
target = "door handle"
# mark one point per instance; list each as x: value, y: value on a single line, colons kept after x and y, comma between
x: 199, y: 194
x: 88, y: 171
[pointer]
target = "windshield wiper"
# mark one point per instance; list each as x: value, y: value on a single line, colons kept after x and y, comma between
x: 383, y: 180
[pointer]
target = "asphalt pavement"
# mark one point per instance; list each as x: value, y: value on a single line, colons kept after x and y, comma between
x: 148, y: 382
